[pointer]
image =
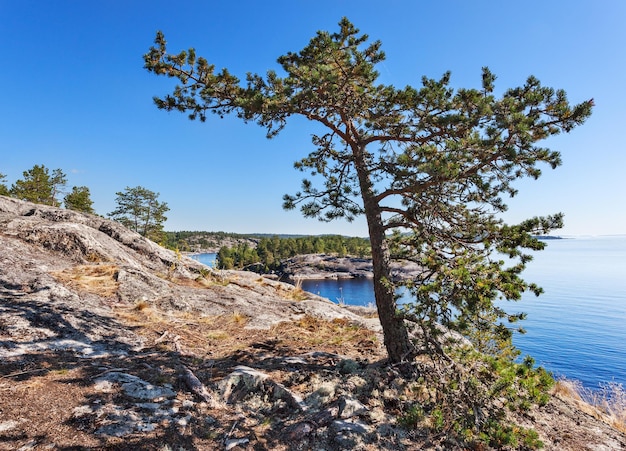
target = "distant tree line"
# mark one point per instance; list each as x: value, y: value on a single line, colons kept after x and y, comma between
x: 270, y: 251
x: 187, y: 241
x: 137, y: 208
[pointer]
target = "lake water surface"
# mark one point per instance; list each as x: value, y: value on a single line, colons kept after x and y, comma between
x: 576, y: 329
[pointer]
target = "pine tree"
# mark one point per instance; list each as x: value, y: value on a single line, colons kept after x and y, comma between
x: 36, y: 186
x: 79, y: 200
x: 139, y: 209
x: 4, y: 189
x: 431, y: 163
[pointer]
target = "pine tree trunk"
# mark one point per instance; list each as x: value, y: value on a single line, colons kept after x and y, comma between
x: 397, y: 342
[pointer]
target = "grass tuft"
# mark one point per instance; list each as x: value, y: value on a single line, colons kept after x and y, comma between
x: 141, y: 305
x: 297, y: 293
x: 607, y: 404
x: 239, y: 318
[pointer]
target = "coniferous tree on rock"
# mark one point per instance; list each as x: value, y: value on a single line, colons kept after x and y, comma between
x: 428, y: 166
x: 140, y: 210
x: 39, y: 186
x: 4, y: 189
x: 79, y: 199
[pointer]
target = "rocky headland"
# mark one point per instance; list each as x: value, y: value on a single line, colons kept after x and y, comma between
x: 108, y: 341
x: 324, y: 266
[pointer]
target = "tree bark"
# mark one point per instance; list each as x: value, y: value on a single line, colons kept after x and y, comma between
x: 397, y: 342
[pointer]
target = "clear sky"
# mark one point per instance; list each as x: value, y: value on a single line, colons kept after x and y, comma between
x: 75, y: 96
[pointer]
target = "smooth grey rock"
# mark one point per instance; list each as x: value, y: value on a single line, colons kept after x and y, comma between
x: 133, y: 386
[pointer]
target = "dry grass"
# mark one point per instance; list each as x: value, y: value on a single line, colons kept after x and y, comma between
x: 141, y: 305
x: 239, y: 318
x: 93, y: 257
x: 205, y: 280
x: 607, y: 404
x: 296, y: 293
x: 199, y: 333
x: 142, y: 317
x: 339, y: 332
x: 99, y: 279
x: 217, y: 335
x: 221, y: 335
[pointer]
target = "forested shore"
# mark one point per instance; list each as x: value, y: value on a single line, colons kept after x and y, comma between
x: 264, y: 252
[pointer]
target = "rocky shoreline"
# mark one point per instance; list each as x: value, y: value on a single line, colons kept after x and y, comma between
x: 324, y: 266
x: 108, y: 341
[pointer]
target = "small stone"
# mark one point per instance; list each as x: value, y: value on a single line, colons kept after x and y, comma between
x: 351, y: 407
x: 80, y: 411
x: 349, y: 426
x: 184, y: 421
x: 230, y: 444
x: 6, y: 425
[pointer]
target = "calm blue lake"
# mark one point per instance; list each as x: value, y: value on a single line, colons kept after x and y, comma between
x: 576, y: 329
x: 207, y: 259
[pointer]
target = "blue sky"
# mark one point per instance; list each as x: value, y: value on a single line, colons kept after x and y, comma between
x: 75, y: 96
